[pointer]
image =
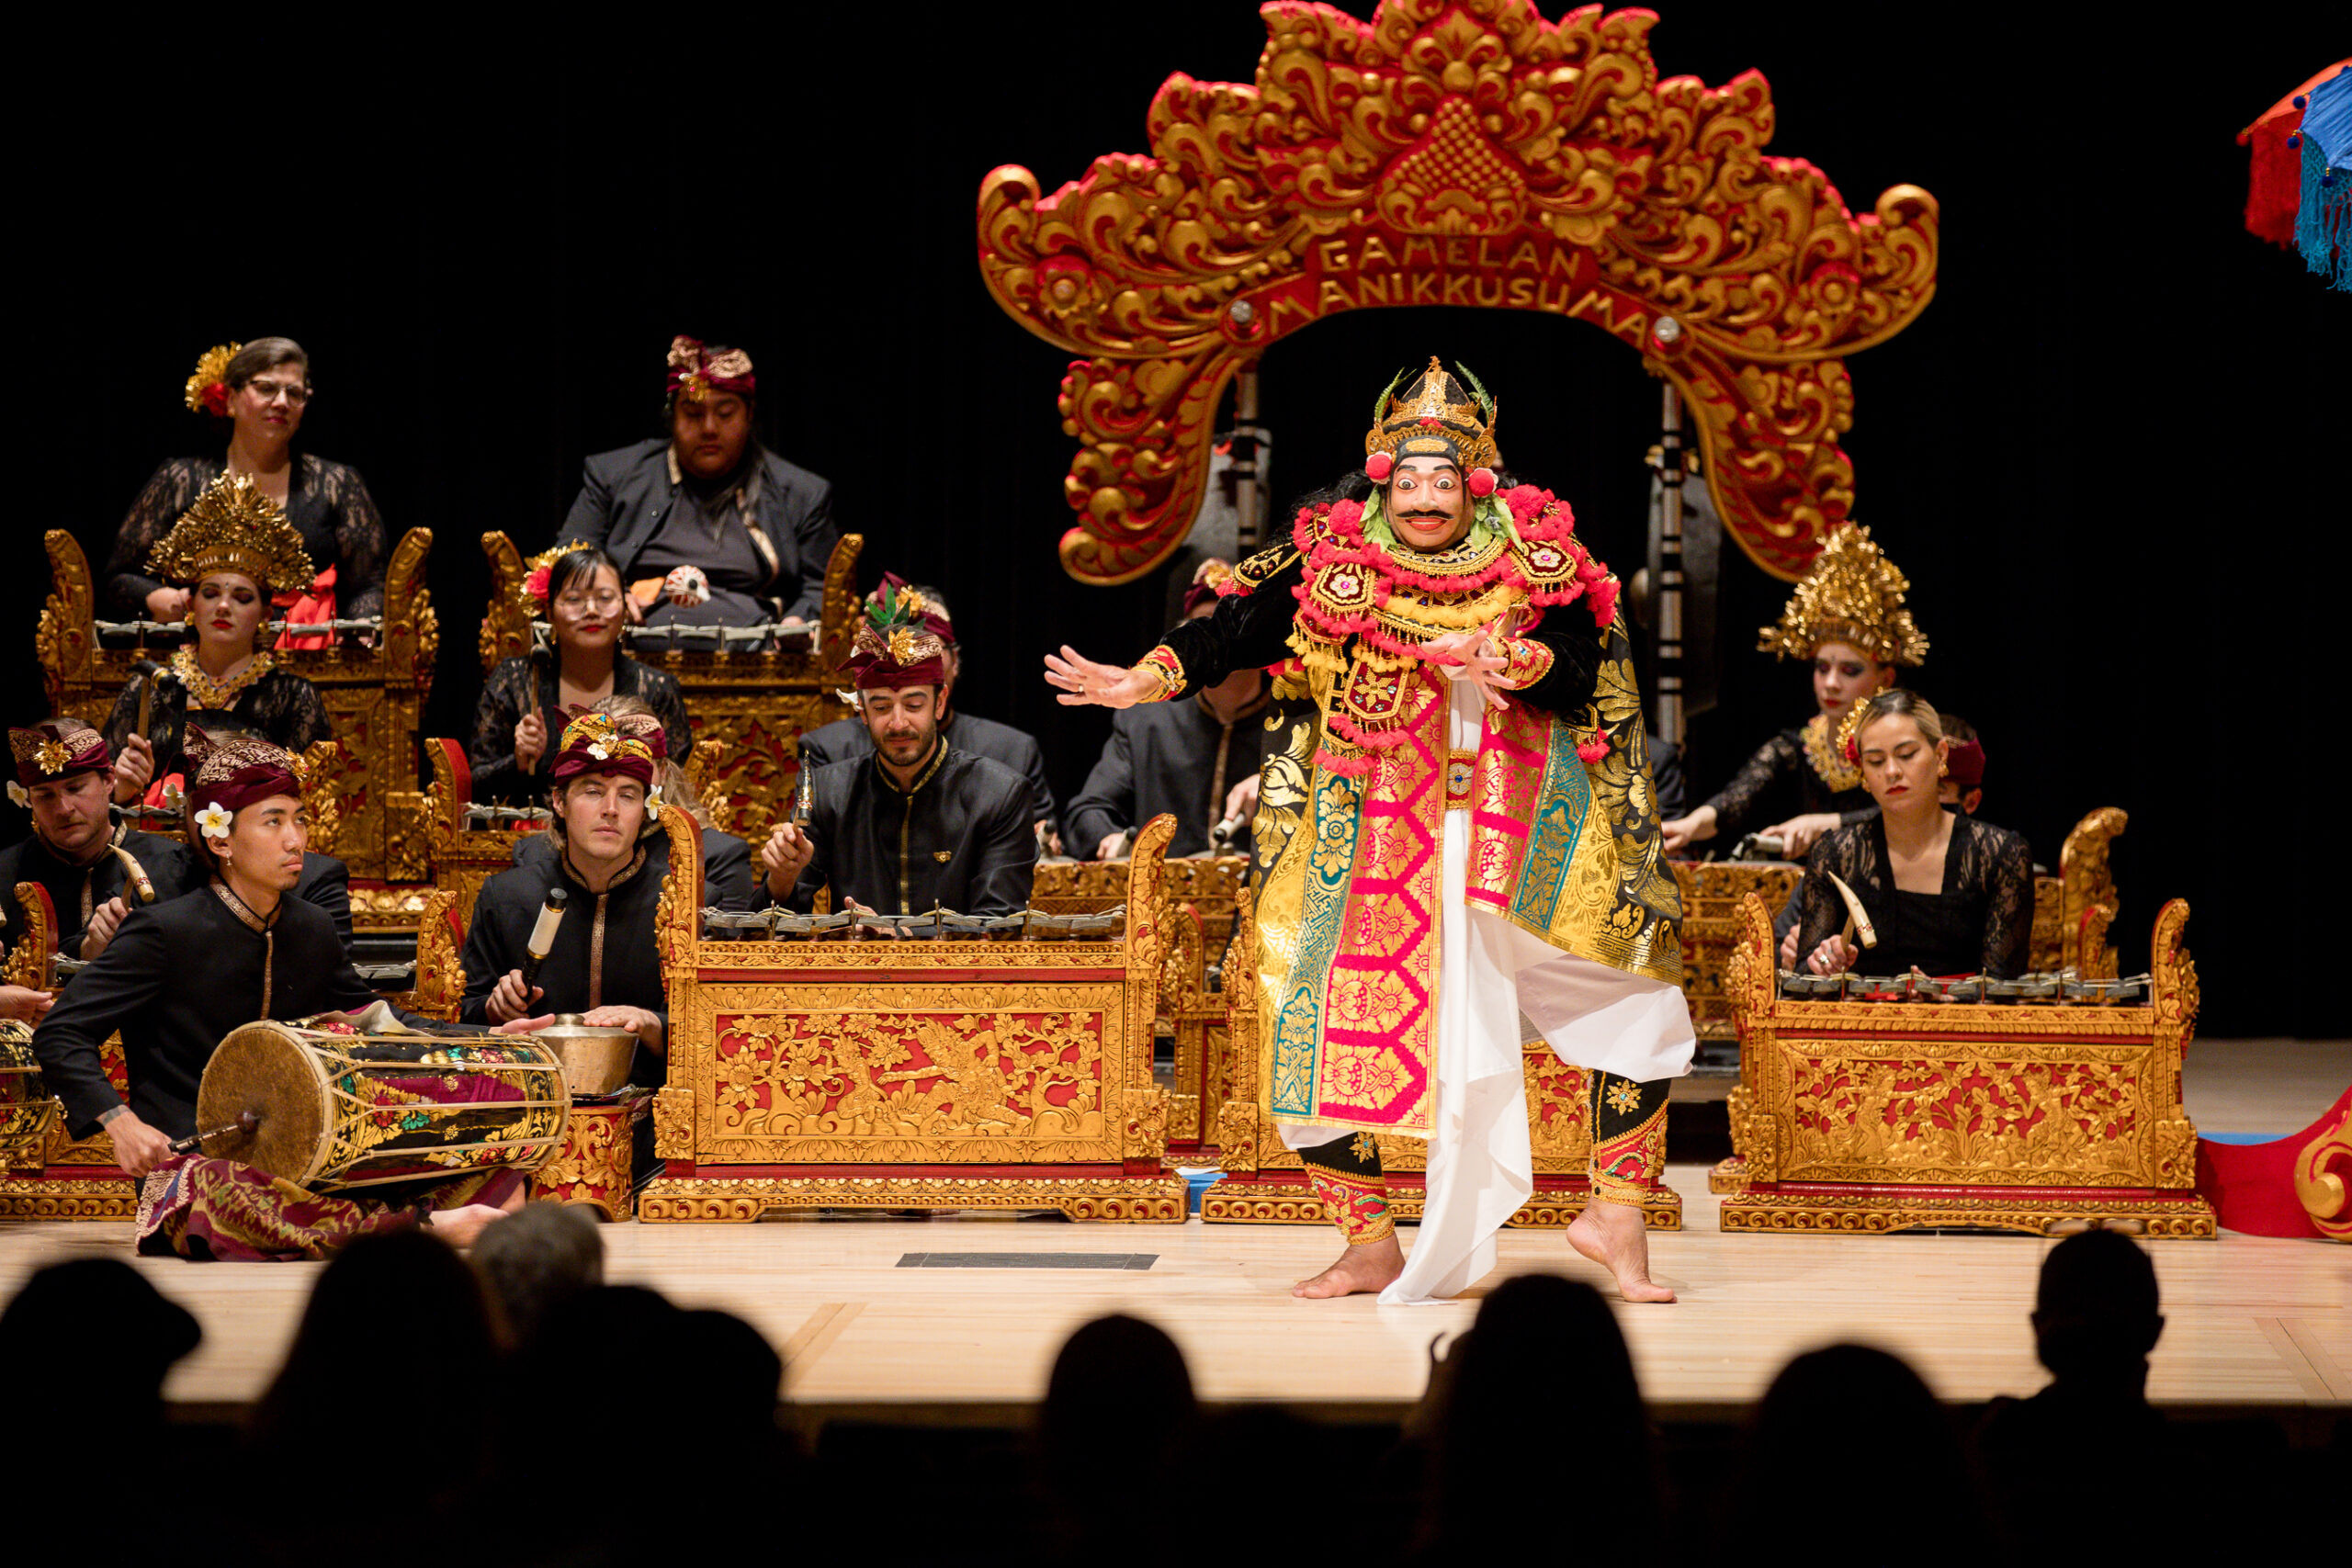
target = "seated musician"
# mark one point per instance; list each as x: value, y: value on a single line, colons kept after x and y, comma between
x: 1946, y: 893
x: 578, y: 590
x: 709, y: 528
x: 233, y: 547
x: 1848, y: 617
x: 176, y: 979
x: 610, y: 855
x: 1016, y: 749
x: 916, y: 825
x: 260, y: 391
x: 727, y: 879
x: 1198, y: 759
x: 1961, y: 789
x: 77, y: 852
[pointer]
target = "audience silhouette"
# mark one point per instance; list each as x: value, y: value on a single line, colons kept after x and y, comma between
x: 536, y: 1259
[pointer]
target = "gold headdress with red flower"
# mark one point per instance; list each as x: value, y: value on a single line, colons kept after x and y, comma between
x: 232, y: 527
x: 208, y: 388
x: 538, y: 570
x: 1853, y: 594
x: 695, y: 372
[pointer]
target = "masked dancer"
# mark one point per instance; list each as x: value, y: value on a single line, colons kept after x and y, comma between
x: 1476, y: 837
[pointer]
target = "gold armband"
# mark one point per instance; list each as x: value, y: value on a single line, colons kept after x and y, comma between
x: 1525, y: 662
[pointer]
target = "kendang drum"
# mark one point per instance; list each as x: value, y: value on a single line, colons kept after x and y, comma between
x: 26, y: 1112
x: 327, y: 1108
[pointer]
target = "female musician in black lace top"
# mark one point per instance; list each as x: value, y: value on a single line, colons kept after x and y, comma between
x: 525, y: 702
x: 228, y: 551
x: 262, y: 390
x: 1946, y: 894
x: 1848, y: 618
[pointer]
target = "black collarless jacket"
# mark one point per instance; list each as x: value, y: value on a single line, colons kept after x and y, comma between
x: 613, y: 961
x: 626, y: 496
x: 960, y: 840
x: 176, y: 980
x: 168, y: 864
x: 1016, y: 749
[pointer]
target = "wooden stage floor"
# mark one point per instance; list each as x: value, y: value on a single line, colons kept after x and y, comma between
x: 2250, y: 1321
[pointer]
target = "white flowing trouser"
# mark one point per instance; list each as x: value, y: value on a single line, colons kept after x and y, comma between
x: 1481, y: 1167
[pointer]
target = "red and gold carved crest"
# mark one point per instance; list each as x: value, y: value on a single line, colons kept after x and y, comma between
x: 1456, y: 153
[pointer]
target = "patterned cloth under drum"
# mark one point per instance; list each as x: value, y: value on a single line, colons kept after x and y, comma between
x: 341, y: 1109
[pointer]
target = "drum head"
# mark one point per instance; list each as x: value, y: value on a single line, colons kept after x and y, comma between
x: 267, y: 1070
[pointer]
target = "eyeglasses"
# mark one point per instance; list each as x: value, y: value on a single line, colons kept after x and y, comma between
x: 607, y: 601
x: 293, y: 392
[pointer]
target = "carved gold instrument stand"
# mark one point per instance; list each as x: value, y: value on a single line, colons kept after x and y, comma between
x: 1861, y: 1117
x: 915, y: 1074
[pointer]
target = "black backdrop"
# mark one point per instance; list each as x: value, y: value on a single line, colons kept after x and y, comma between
x: 2105, y: 454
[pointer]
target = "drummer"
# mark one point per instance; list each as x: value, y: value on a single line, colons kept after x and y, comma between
x: 64, y: 769
x: 177, y: 978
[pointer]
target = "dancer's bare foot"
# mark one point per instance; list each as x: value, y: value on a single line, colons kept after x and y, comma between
x: 1613, y: 1235
x: 1369, y: 1268
x: 463, y: 1225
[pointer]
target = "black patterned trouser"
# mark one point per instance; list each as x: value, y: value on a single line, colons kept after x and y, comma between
x: 1628, y: 1159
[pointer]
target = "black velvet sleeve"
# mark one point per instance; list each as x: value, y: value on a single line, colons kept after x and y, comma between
x: 1042, y: 806
x: 1107, y: 804
x: 119, y: 984
x: 1577, y: 645
x: 326, y: 882
x: 1245, y: 630
x: 1665, y: 778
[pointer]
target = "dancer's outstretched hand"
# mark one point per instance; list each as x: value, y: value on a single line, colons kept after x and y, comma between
x: 1471, y: 656
x: 1083, y: 681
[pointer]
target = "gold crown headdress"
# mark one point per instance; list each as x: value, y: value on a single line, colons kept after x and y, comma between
x: 1852, y: 593
x: 207, y: 390
x: 1434, y: 417
x: 233, y: 527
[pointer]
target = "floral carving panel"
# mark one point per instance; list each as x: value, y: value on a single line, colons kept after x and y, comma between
x: 915, y: 1074
x: 1464, y: 153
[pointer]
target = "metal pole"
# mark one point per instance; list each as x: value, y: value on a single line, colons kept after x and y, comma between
x: 1670, y: 572
x: 1245, y: 460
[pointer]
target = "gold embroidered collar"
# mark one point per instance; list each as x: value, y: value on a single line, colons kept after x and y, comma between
x: 217, y: 697
x: 1820, y: 750
x: 244, y: 912
x: 922, y: 776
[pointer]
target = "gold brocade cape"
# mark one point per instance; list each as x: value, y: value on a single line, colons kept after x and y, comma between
x: 1564, y: 827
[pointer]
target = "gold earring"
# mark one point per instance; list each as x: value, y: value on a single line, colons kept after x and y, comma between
x: 1943, y: 769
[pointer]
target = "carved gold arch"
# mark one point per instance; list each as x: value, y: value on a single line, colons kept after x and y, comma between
x: 1455, y: 152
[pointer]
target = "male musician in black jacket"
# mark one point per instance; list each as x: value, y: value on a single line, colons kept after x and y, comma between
x: 758, y: 529
x: 914, y: 825
x: 177, y: 978
x: 62, y: 770
x: 1016, y: 749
